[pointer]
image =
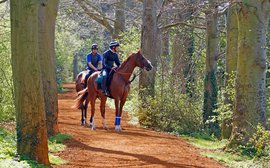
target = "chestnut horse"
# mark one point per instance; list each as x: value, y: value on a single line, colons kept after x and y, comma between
x: 118, y: 88
x: 79, y: 87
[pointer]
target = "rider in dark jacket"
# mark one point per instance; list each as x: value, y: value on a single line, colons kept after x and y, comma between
x: 109, y: 58
x: 94, y: 61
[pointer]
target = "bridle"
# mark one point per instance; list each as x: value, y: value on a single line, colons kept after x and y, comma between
x: 126, y: 73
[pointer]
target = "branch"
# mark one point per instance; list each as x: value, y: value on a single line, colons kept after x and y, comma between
x: 220, y: 55
x: 161, y: 10
x: 3, y: 1
x: 182, y: 23
x: 102, y: 21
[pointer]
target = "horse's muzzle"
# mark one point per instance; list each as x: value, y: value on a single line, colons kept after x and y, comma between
x: 148, y: 66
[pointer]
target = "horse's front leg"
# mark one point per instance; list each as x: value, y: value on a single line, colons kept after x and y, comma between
x: 117, y: 122
x: 102, y: 111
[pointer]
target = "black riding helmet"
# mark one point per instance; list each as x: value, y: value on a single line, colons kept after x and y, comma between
x: 94, y: 46
x: 114, y: 44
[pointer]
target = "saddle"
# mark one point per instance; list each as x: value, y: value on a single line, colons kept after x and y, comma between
x: 109, y: 80
x: 83, y: 75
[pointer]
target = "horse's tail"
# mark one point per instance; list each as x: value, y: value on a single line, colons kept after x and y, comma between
x: 82, y: 96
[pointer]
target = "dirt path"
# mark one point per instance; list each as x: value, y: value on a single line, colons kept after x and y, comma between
x: 134, y: 147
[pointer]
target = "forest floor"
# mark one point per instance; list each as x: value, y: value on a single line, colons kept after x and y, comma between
x: 133, y: 147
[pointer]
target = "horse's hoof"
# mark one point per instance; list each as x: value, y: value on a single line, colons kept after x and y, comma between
x: 106, y: 128
x: 118, y: 129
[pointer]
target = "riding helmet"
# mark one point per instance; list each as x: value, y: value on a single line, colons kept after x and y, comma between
x: 94, y: 46
x: 114, y: 44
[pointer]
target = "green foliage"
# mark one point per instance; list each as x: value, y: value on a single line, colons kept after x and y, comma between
x: 66, y: 44
x: 7, y: 109
x: 9, y: 158
x: 172, y: 111
x: 226, y: 99
x: 7, y: 144
x: 59, y: 138
x: 261, y: 142
x: 204, y: 141
x: 130, y: 42
x: 212, y: 147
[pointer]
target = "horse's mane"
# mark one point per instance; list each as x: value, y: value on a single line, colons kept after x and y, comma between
x: 126, y: 61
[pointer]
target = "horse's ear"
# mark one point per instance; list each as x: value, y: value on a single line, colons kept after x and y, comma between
x: 139, y: 51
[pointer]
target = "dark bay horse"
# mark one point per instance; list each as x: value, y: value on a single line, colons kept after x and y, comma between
x: 79, y: 87
x: 119, y: 89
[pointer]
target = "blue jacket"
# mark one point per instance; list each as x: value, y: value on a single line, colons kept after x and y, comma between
x: 109, y: 58
x: 94, y: 59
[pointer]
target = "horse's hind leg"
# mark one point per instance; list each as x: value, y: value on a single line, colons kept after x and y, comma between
x: 85, y: 110
x: 92, y: 121
x: 82, y: 118
x: 102, y: 111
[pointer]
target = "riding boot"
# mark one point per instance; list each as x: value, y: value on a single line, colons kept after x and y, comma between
x: 104, y: 85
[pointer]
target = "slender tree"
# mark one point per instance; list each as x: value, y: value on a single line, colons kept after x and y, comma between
x: 250, y: 105
x: 231, y: 64
x: 210, y: 81
x: 47, y: 18
x: 149, y: 46
x: 29, y: 96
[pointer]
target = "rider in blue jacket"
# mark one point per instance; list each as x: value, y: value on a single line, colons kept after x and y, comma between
x: 109, y: 58
x: 94, y: 61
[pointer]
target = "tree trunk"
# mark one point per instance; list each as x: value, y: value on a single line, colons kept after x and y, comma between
x: 164, y: 59
x: 231, y: 63
x: 75, y: 65
x: 183, y: 48
x: 210, y: 81
x: 47, y: 18
x: 149, y: 48
x: 120, y: 21
x: 250, y: 105
x: 29, y: 97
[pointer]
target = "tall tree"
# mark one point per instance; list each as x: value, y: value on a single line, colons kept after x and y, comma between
x: 231, y: 64
x: 210, y: 81
x: 250, y: 105
x: 29, y: 96
x: 149, y: 46
x: 47, y: 18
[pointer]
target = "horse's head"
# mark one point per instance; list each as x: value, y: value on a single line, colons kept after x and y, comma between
x: 142, y: 62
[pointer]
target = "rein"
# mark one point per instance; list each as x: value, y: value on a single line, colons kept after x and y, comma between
x: 134, y: 75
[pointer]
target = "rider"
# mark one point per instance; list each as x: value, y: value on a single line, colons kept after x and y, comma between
x: 109, y: 58
x: 94, y: 62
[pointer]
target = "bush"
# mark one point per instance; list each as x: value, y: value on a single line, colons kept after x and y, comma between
x: 260, y: 141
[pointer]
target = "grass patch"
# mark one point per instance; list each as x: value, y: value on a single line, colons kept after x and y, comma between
x: 206, y: 144
x: 56, y: 160
x: 236, y: 161
x: 213, y: 150
x: 8, y: 157
x: 59, y: 138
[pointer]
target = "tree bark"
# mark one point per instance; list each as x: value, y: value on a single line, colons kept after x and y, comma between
x: 231, y: 63
x: 119, y: 24
x: 250, y: 105
x: 29, y: 96
x: 210, y: 81
x: 149, y: 46
x: 47, y: 18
